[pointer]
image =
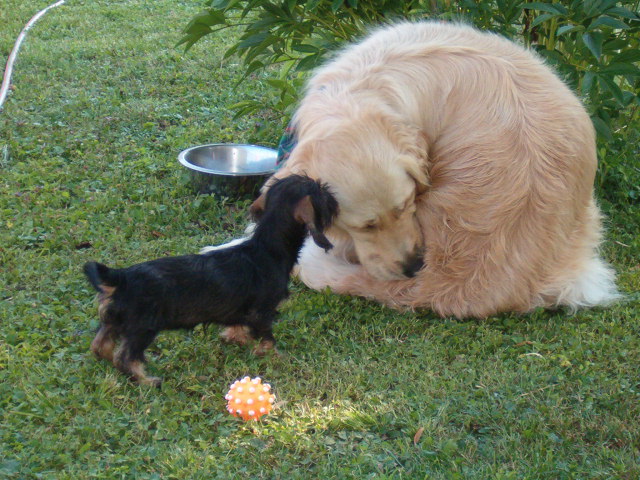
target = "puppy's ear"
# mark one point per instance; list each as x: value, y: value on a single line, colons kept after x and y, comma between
x: 305, y: 212
x: 257, y: 207
x: 325, y: 205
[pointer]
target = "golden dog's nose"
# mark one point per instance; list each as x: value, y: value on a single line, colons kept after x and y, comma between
x: 413, y: 265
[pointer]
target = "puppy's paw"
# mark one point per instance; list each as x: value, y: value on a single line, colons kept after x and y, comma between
x: 264, y: 347
x: 155, y: 382
x: 136, y: 370
x: 238, y: 334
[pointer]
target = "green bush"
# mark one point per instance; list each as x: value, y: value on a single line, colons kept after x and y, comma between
x: 593, y: 44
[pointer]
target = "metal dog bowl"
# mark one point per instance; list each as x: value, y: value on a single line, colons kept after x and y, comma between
x: 229, y: 169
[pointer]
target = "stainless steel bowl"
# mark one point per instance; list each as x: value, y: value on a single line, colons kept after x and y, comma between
x: 229, y: 169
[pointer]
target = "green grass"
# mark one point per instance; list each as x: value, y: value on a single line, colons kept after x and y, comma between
x: 88, y: 143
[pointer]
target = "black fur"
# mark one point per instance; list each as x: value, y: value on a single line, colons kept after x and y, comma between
x: 240, y: 285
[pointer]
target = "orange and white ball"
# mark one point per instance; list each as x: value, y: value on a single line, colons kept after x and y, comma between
x: 249, y: 399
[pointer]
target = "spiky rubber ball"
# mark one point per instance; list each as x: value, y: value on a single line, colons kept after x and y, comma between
x: 249, y: 399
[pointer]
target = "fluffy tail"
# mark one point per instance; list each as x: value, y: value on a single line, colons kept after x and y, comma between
x: 594, y: 285
x: 100, y: 275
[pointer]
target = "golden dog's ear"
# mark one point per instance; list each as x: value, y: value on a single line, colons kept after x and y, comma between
x: 415, y: 158
x: 416, y: 170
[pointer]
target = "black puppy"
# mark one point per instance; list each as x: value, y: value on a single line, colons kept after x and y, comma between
x: 239, y: 286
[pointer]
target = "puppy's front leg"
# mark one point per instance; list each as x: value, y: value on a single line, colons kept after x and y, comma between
x: 260, y: 329
x: 129, y: 359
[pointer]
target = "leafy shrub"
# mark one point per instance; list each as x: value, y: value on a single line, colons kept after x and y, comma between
x: 593, y: 44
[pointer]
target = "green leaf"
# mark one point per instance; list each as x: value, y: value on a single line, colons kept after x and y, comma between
x: 245, y: 108
x: 593, y: 41
x: 254, y: 52
x: 188, y: 41
x: 309, y: 62
x: 542, y: 18
x: 226, y: 4
x: 623, y: 12
x: 208, y: 18
x: 628, y: 56
x: 279, y: 84
x: 10, y: 466
x: 335, y: 5
x: 199, y: 29
x: 553, y: 56
x: 546, y: 7
x: 449, y: 447
x: 253, y: 66
x: 612, y: 47
x: 609, y: 22
x: 265, y: 23
x: 594, y: 8
x: 85, y: 448
x: 609, y: 84
x: 230, y: 52
x: 620, y: 69
x: 565, y: 29
x: 305, y: 48
x: 243, y: 104
x: 275, y: 11
x: 587, y: 83
x: 602, y: 128
x: 253, y: 40
x: 221, y: 4
x: 312, y: 6
x: 353, y: 3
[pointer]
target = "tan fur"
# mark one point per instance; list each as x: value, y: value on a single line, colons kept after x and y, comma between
x: 104, y: 343
x: 263, y: 347
x: 104, y: 299
x: 134, y: 368
x: 490, y: 157
x: 238, y: 334
x: 138, y: 373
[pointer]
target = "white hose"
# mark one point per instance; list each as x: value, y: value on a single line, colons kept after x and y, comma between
x: 6, y: 79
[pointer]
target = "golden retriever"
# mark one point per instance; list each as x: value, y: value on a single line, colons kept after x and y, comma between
x: 464, y: 169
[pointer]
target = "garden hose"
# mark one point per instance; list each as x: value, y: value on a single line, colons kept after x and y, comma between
x: 6, y: 79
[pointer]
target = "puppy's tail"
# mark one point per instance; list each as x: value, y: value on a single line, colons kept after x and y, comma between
x: 100, y: 275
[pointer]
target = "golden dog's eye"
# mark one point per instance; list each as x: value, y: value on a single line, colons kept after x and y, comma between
x: 368, y: 226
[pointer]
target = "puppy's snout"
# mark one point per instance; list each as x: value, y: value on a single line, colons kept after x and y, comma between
x: 413, y: 265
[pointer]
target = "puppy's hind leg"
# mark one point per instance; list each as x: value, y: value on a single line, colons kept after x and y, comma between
x: 104, y: 342
x: 129, y: 359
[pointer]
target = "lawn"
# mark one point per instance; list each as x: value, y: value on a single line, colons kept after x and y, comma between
x: 103, y: 102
